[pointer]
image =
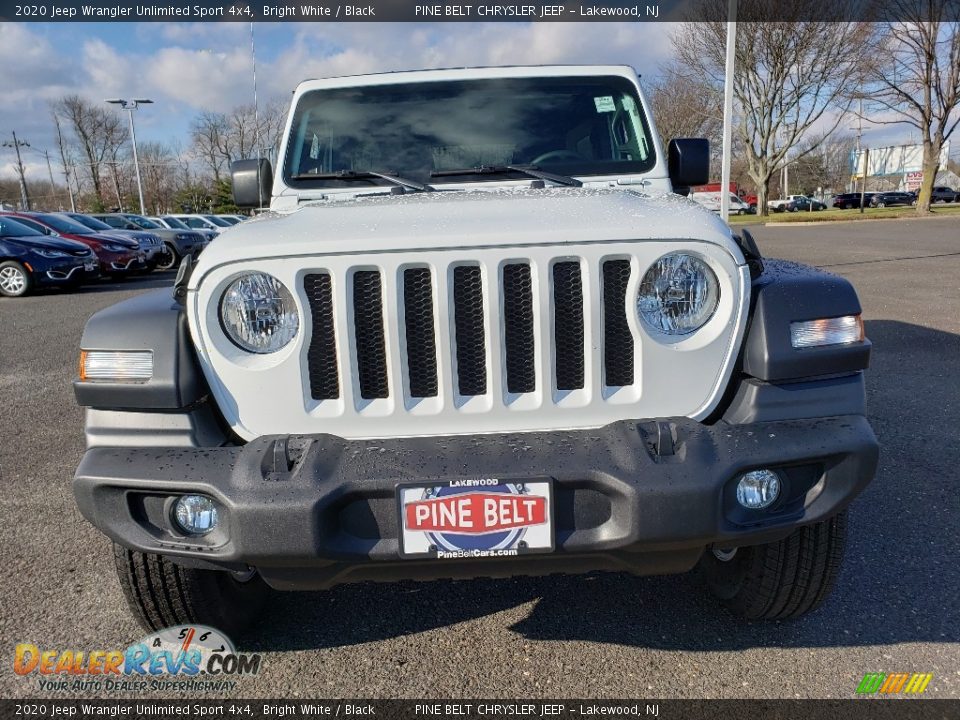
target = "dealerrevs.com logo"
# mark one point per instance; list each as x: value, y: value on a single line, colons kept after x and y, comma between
x: 182, y: 657
x: 894, y: 683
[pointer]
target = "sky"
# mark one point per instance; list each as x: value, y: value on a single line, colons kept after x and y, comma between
x: 189, y: 67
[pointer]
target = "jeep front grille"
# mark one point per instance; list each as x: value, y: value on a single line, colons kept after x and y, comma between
x: 561, y: 332
x: 474, y: 339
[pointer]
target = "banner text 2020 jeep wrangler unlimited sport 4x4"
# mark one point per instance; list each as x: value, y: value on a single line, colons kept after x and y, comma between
x: 476, y: 334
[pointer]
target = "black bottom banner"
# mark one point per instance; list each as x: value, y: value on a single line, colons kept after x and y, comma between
x: 864, y: 708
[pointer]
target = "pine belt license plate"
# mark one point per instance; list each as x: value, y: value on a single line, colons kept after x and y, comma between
x: 485, y: 518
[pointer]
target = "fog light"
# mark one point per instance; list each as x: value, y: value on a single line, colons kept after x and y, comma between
x: 758, y: 489
x: 196, y: 514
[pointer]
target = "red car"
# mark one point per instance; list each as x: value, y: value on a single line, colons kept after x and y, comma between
x: 118, y: 257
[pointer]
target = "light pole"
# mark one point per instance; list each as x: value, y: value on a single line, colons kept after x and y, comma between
x: 130, y: 106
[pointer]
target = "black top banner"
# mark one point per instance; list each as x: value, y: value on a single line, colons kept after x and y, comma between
x: 479, y: 11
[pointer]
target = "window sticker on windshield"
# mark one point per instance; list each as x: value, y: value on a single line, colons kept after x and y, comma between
x: 605, y: 104
x: 315, y: 147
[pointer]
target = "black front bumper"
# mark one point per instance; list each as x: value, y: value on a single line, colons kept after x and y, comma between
x: 311, y: 512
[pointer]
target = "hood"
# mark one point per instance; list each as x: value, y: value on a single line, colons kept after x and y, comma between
x: 49, y: 243
x: 496, y: 217
x: 121, y: 240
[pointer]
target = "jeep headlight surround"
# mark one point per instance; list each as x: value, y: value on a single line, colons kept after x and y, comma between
x: 258, y: 313
x: 678, y: 294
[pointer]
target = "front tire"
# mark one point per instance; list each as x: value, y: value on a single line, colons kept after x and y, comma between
x: 162, y: 594
x: 168, y: 258
x: 14, y: 279
x: 779, y: 580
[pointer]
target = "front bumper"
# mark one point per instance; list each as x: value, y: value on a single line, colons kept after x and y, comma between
x: 638, y: 496
x: 65, y: 272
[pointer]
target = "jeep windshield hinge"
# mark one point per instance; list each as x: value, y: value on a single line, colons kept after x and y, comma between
x: 183, y: 278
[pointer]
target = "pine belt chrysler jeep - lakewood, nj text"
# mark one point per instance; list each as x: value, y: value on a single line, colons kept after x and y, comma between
x: 476, y: 334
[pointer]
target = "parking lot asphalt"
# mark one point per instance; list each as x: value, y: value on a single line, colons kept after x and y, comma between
x: 610, y: 635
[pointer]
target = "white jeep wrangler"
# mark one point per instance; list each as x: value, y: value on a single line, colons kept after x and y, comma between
x: 477, y: 334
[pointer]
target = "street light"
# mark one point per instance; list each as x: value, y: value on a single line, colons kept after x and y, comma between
x: 130, y: 106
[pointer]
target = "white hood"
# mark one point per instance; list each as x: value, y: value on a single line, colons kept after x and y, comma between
x: 516, y: 216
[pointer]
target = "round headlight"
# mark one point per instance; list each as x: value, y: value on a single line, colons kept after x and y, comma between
x: 678, y: 294
x: 258, y: 313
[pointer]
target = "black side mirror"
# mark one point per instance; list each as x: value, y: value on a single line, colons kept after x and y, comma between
x: 688, y: 161
x: 252, y: 182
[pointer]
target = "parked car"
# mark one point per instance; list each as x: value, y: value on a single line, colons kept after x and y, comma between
x: 846, y: 201
x: 711, y: 201
x: 233, y: 219
x: 782, y: 204
x: 118, y: 257
x: 150, y: 243
x: 803, y: 202
x: 30, y: 259
x: 889, y: 199
x: 524, y: 376
x: 943, y: 194
x: 168, y: 221
x: 210, y: 222
x: 177, y: 243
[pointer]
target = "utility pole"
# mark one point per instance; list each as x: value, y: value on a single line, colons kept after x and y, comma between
x: 24, y: 193
x: 66, y: 171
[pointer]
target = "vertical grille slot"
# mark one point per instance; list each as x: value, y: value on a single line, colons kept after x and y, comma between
x: 322, y: 354
x: 468, y: 326
x: 617, y: 339
x: 568, y: 325
x: 420, y: 336
x: 518, y: 328
x: 369, y: 334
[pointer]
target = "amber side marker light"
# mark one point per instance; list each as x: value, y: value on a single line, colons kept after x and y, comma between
x: 116, y: 365
x: 844, y: 330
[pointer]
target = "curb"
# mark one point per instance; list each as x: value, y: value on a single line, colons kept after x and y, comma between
x: 811, y: 223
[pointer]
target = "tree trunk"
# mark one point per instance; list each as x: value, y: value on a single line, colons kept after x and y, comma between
x: 931, y: 164
x: 763, y: 192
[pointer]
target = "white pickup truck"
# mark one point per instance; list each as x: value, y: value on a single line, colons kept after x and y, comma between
x: 781, y: 204
x: 476, y: 334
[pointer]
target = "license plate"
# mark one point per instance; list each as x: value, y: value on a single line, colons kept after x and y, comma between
x: 484, y: 518
x: 89, y: 266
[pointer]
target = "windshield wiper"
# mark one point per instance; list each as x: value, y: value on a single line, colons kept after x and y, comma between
x: 366, y: 175
x: 529, y: 170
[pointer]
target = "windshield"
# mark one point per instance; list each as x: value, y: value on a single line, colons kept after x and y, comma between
x: 142, y: 222
x: 172, y: 222
x: 217, y: 221
x: 572, y: 125
x: 12, y: 228
x: 61, y: 224
x: 90, y: 222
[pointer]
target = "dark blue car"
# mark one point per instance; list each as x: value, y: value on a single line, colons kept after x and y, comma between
x: 29, y: 259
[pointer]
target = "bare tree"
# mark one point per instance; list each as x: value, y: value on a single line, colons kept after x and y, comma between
x: 685, y: 106
x: 98, y: 132
x: 914, y: 76
x: 158, y: 168
x: 212, y: 144
x: 220, y: 138
x: 790, y: 75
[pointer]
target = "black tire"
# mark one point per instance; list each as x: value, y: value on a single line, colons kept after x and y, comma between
x: 780, y: 580
x: 15, y: 281
x: 169, y: 258
x: 161, y: 593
